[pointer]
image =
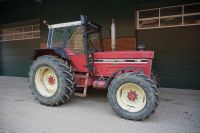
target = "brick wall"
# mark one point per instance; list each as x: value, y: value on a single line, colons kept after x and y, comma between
x: 125, y: 43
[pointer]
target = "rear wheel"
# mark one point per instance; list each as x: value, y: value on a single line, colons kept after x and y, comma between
x: 133, y: 96
x: 51, y: 80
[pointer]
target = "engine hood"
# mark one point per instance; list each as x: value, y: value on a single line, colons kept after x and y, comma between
x: 143, y: 54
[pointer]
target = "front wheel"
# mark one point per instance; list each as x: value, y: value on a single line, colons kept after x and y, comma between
x: 133, y: 96
x: 155, y: 78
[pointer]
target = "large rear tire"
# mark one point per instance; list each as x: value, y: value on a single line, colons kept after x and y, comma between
x: 133, y: 96
x: 51, y: 80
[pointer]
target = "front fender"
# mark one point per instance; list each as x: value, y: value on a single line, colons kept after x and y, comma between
x: 129, y: 68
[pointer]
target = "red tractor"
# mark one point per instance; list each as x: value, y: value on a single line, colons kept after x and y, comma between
x: 74, y: 60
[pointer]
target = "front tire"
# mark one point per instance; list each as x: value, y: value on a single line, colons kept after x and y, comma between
x: 51, y: 80
x: 155, y: 78
x: 133, y: 96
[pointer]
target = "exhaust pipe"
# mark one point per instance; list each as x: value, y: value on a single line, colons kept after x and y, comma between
x: 113, y: 35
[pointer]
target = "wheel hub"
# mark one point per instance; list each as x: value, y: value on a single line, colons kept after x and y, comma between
x: 51, y: 80
x: 132, y: 95
x: 46, y: 81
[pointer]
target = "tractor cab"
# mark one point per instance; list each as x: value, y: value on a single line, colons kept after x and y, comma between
x: 79, y: 39
x: 79, y: 36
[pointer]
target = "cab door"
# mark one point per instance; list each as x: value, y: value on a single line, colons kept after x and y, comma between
x: 75, y: 50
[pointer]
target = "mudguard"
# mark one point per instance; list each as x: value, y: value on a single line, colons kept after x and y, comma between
x: 130, y: 68
x: 60, y: 52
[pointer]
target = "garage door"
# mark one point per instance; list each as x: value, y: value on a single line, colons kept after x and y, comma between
x: 177, y: 56
x: 17, y: 42
x: 174, y: 35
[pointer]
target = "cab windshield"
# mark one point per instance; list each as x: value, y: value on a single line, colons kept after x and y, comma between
x: 72, y: 37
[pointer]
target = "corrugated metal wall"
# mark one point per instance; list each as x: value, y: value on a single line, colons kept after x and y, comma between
x: 15, y: 54
x: 177, y: 54
x: 15, y: 57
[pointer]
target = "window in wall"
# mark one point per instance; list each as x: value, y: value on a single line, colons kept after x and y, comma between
x: 149, y: 13
x: 192, y: 14
x: 181, y: 15
x: 20, y: 33
x: 19, y: 30
x: 28, y: 35
x: 192, y: 8
x: 170, y: 21
x: 18, y: 36
x: 149, y: 23
x: 36, y: 34
x: 10, y: 37
x: 148, y: 18
x: 169, y: 11
x: 28, y: 28
x: 194, y: 19
x: 36, y: 27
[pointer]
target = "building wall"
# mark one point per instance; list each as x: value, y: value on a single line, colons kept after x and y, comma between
x: 15, y: 55
x: 177, y: 56
x: 59, y: 11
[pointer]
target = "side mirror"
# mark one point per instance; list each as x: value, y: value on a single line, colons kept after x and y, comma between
x: 141, y: 47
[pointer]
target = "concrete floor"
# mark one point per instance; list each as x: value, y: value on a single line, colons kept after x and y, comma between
x: 178, y: 112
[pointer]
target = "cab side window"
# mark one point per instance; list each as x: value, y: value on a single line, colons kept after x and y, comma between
x: 75, y: 41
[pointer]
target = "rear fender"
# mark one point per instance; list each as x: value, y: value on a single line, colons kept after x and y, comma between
x: 59, y: 52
